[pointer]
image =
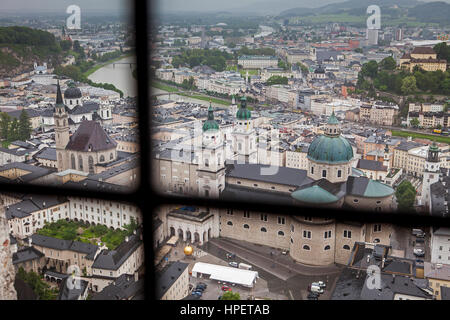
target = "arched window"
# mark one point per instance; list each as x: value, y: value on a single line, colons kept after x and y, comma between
x: 306, y: 247
x: 281, y: 233
x: 327, y: 247
x: 263, y: 229
x: 312, y: 170
x: 229, y: 223
x: 111, y: 156
x: 324, y: 173
x: 246, y: 226
x: 80, y: 162
x: 91, y: 164
x: 339, y: 173
x: 72, y: 160
x: 346, y: 247
x: 102, y: 158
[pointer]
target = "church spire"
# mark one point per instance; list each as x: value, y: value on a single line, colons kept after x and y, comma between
x: 59, y: 99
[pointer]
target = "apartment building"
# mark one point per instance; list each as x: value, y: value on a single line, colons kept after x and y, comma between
x: 172, y: 283
x: 257, y: 62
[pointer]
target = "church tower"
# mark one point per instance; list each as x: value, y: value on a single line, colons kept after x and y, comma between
x: 211, y: 166
x: 386, y: 158
x: 430, y: 174
x: 61, y: 130
x: 244, y: 136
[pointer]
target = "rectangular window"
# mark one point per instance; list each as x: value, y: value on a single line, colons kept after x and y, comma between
x: 377, y: 228
x: 246, y: 214
x: 327, y: 234
x: 263, y: 217
x: 281, y: 220
x: 307, y: 234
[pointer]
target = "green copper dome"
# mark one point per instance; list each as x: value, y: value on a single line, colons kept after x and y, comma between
x: 314, y: 194
x: 243, y: 113
x: 330, y: 149
x: 210, y: 123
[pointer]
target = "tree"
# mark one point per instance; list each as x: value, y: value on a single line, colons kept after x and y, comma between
x: 414, y: 122
x: 409, y: 85
x: 230, y: 295
x: 13, y: 132
x: 302, y: 67
x: 66, y: 45
x: 406, y: 195
x: 276, y: 80
x: 24, y: 126
x: 370, y: 69
x: 388, y: 64
x: 5, y: 121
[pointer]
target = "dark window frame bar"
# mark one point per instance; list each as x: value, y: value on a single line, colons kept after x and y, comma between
x: 148, y: 199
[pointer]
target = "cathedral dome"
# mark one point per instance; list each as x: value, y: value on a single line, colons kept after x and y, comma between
x: 331, y: 147
x: 72, y: 93
x: 326, y: 149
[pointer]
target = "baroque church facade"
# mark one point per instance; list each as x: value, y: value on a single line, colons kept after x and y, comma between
x: 329, y: 182
x: 88, y: 148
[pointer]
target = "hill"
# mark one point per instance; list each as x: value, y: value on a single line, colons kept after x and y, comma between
x: 20, y: 47
x: 350, y: 5
x: 436, y: 12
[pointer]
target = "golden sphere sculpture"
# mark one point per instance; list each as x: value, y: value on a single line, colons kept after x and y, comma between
x: 188, y: 250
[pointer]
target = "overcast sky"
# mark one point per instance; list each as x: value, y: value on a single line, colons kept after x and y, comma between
x: 163, y: 6
x: 59, y: 6
x: 166, y: 6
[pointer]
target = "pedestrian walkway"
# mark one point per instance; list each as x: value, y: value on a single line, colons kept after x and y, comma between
x: 271, y: 260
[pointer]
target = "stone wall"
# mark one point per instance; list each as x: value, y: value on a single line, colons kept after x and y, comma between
x: 7, y: 274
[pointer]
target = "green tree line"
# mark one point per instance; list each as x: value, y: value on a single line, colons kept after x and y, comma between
x: 12, y: 129
x: 214, y: 58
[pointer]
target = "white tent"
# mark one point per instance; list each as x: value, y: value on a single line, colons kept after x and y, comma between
x: 221, y: 273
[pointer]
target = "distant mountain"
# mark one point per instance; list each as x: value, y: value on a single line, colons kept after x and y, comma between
x: 350, y: 5
x: 437, y: 12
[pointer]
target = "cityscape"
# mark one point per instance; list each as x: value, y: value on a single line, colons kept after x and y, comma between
x: 329, y: 106
x: 311, y: 107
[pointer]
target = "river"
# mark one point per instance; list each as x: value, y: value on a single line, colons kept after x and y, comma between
x: 119, y: 75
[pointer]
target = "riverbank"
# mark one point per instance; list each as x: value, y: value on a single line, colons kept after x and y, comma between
x: 103, y: 64
x: 431, y: 137
x: 199, y: 96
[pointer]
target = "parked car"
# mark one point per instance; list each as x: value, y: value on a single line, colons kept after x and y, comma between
x: 233, y: 264
x: 244, y: 266
x: 313, y: 296
x: 315, y: 288
x: 196, y: 293
x: 418, y: 233
x: 202, y: 284
x: 418, y: 252
x: 231, y: 255
x: 225, y: 288
x: 200, y: 289
x: 320, y: 284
